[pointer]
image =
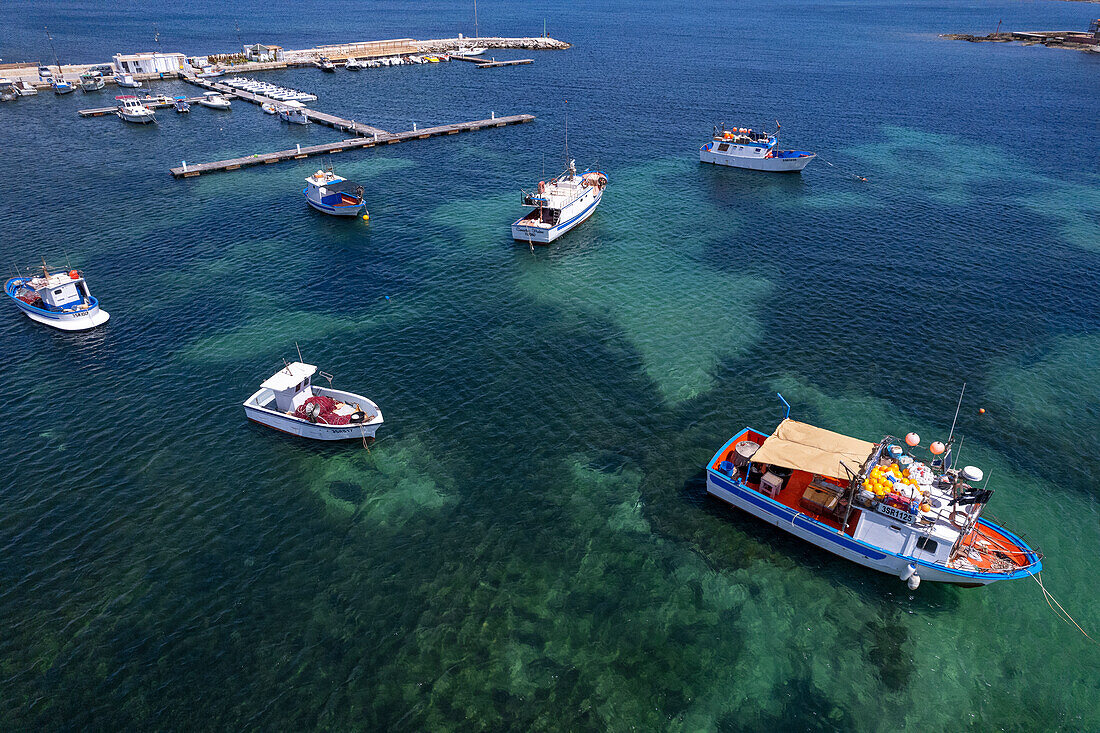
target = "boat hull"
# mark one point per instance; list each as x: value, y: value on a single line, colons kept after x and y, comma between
x: 735, y: 492
x: 137, y: 119
x: 338, y: 210
x: 794, y: 164
x: 315, y: 431
x: 545, y: 235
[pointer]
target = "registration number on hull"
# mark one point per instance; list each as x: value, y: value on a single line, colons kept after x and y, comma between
x: 893, y: 511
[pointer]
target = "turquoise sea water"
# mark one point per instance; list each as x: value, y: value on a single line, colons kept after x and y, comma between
x: 529, y: 545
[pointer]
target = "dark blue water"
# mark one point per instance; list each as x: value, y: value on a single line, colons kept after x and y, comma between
x: 528, y: 544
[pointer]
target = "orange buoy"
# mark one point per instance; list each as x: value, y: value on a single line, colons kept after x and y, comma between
x: 981, y: 410
x: 937, y: 447
x: 74, y: 274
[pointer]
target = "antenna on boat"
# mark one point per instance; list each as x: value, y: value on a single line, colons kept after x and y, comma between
x: 567, y: 133
x: 299, y: 348
x: 957, y: 408
x: 476, y: 33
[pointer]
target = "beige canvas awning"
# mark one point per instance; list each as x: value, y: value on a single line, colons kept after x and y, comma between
x: 806, y: 448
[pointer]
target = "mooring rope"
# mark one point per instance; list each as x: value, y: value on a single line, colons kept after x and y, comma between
x: 1064, y: 615
x: 845, y: 172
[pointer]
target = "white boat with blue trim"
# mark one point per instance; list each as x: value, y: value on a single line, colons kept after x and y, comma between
x: 875, y: 504
x: 559, y: 205
x: 332, y: 194
x: 61, y: 300
x: 743, y: 147
x: 289, y: 402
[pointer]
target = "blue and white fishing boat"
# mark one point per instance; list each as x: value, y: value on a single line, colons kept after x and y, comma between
x: 288, y: 402
x: 61, y: 300
x: 328, y: 192
x: 60, y: 86
x: 559, y: 205
x: 877, y: 504
x: 742, y: 147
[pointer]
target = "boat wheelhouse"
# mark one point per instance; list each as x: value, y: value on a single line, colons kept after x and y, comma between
x: 876, y: 504
x: 742, y: 147
x: 288, y: 401
x: 559, y: 205
x: 131, y: 109
x: 61, y: 300
x: 332, y: 194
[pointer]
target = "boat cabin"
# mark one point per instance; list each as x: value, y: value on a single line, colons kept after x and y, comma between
x: 290, y: 386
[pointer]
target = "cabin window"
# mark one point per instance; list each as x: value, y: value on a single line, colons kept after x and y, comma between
x: 723, y: 147
x: 297, y: 388
x: 928, y: 545
x: 57, y: 292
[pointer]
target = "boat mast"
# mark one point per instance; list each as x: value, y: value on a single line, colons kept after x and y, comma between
x: 476, y: 33
x: 56, y: 58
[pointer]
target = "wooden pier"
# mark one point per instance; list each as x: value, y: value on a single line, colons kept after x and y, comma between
x: 491, y: 63
x: 299, y: 152
x: 158, y: 102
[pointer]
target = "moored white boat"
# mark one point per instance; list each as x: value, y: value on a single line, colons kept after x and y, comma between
x: 61, y: 300
x: 60, y: 86
x: 91, y: 82
x: 741, y: 147
x: 131, y: 109
x: 7, y: 90
x: 293, y: 112
x: 353, y: 65
x: 559, y: 204
x: 326, y: 65
x: 25, y: 88
x: 289, y: 402
x: 875, y: 504
x: 214, y: 100
x: 127, y: 81
x: 328, y: 192
x: 181, y: 104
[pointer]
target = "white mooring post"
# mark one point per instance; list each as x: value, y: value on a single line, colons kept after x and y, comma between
x: 298, y: 148
x: 185, y: 166
x: 493, y: 115
x: 414, y: 127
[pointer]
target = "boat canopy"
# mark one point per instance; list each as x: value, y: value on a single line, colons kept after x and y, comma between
x: 807, y: 448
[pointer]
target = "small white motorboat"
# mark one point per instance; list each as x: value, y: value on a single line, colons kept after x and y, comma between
x: 269, y: 108
x: 7, y: 90
x: 288, y: 401
x: 91, y: 82
x: 61, y: 300
x: 181, y: 104
x: 474, y: 51
x: 131, y: 109
x: 127, y: 81
x: 210, y: 72
x: 60, y: 86
x: 293, y: 112
x: 326, y: 65
x: 353, y: 65
x: 25, y: 88
x: 214, y: 100
x: 328, y: 192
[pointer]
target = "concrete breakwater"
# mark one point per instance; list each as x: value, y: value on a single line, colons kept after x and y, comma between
x: 1081, y: 41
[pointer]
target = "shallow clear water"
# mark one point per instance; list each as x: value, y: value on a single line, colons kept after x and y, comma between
x: 529, y: 544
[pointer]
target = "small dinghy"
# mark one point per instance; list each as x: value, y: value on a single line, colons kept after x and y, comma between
x: 214, y: 100
x: 61, y: 300
x: 328, y: 192
x: 288, y: 401
x: 269, y: 108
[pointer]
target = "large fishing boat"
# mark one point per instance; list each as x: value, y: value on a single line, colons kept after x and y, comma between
x: 288, y: 401
x: 332, y: 194
x: 742, y: 147
x: 60, y: 299
x: 876, y: 504
x: 559, y: 205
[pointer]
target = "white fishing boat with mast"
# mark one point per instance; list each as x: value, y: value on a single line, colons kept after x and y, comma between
x: 743, y: 147
x: 288, y: 401
x: 559, y: 204
x: 58, y: 84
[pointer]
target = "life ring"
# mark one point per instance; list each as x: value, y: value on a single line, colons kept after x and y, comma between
x: 955, y: 521
x: 357, y: 417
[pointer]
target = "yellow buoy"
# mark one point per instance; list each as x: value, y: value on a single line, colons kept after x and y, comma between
x: 366, y: 217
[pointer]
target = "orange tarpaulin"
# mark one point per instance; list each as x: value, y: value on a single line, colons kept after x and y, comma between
x: 806, y: 448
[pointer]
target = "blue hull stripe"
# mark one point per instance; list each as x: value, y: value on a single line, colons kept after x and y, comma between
x: 15, y: 282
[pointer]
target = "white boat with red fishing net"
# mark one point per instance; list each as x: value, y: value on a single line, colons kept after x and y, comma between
x: 876, y: 504
x: 743, y: 147
x: 559, y: 205
x: 289, y: 402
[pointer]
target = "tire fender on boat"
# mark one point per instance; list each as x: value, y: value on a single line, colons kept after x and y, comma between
x: 959, y: 518
x: 357, y: 417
